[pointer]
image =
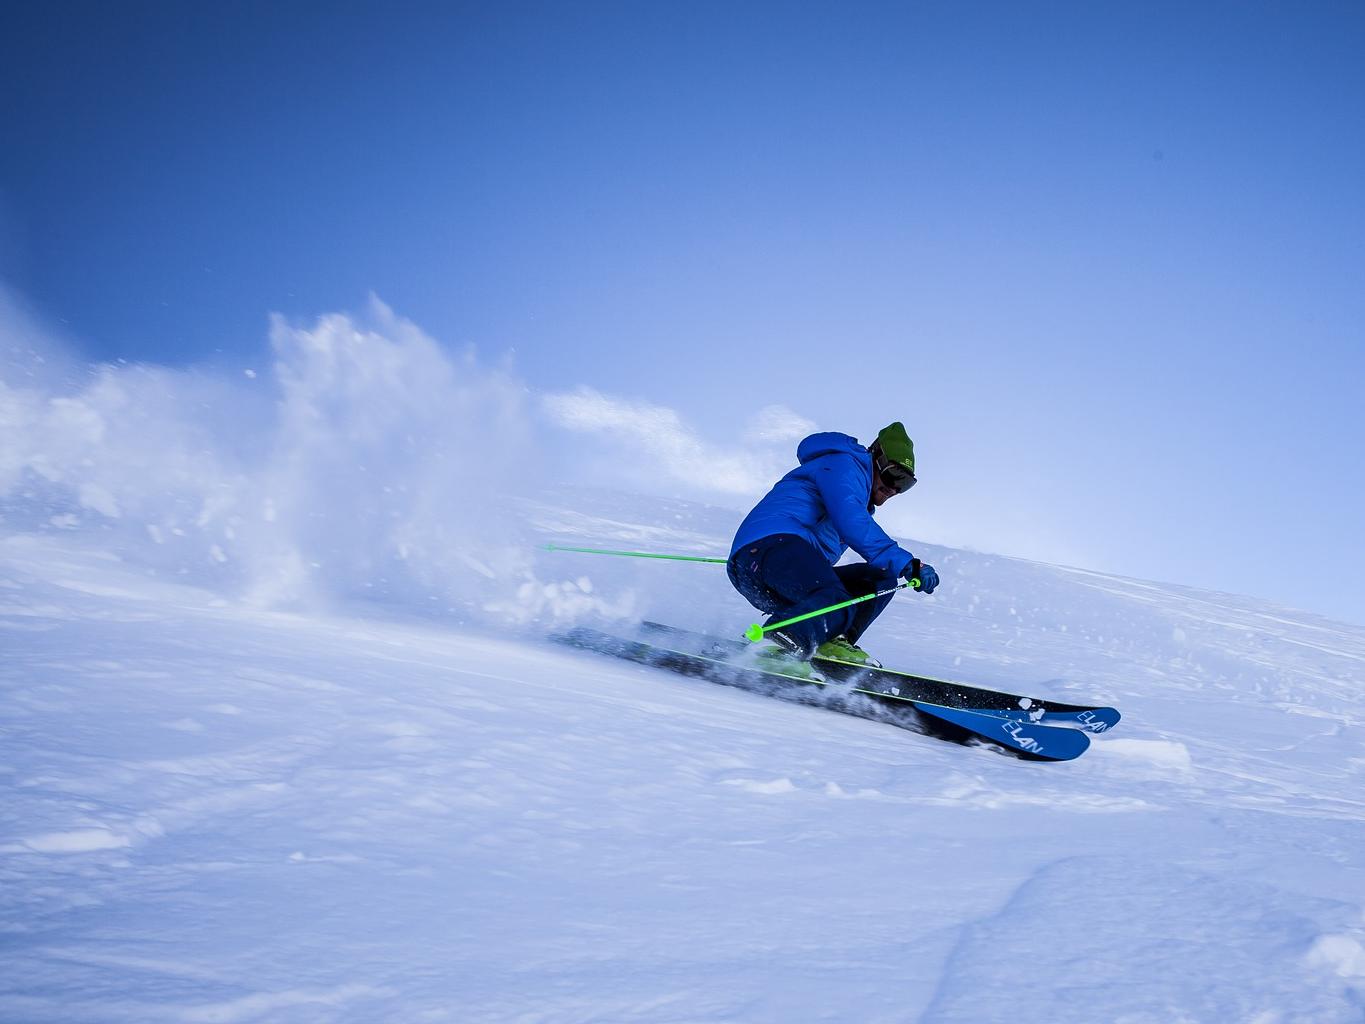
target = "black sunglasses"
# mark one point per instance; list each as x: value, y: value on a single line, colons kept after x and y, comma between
x: 895, y: 476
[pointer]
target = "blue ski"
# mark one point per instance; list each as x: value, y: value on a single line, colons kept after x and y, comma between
x: 1091, y: 718
x: 1027, y: 739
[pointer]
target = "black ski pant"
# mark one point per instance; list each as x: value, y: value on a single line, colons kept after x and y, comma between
x: 785, y: 575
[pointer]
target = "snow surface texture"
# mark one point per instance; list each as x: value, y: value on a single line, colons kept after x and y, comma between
x: 283, y: 741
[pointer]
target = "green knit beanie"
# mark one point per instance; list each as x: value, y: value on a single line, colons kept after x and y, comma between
x: 897, y: 446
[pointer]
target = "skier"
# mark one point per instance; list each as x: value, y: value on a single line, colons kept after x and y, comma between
x: 782, y: 559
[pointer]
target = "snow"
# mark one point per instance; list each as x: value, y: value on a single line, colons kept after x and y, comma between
x: 284, y: 740
x: 215, y: 812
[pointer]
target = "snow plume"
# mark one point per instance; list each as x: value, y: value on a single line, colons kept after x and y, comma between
x: 119, y: 447
x: 392, y: 464
x: 365, y: 462
x: 371, y: 464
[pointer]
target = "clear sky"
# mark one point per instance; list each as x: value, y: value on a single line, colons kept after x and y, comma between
x: 1105, y: 261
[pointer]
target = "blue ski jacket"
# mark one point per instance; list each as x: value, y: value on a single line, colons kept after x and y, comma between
x: 827, y: 500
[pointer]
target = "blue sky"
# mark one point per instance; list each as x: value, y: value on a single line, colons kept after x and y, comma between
x: 1104, y: 263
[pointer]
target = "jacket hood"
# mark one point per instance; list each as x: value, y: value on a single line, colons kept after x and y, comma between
x: 829, y: 443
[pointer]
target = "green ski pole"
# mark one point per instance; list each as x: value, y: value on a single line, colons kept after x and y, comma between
x: 755, y: 632
x: 635, y: 554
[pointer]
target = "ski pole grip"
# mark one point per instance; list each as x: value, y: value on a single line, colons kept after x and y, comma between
x: 913, y: 579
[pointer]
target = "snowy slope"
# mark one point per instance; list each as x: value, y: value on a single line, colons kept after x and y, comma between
x: 212, y: 811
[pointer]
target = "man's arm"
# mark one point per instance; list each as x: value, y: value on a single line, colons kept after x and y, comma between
x: 845, y: 488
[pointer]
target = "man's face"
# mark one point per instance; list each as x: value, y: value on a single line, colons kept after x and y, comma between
x: 880, y: 492
x: 888, y: 479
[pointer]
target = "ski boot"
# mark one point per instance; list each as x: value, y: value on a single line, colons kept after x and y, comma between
x: 841, y: 648
x: 775, y: 658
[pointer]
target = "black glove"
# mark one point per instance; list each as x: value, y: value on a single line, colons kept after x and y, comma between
x: 924, y: 572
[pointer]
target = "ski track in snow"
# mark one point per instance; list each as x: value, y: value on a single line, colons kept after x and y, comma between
x: 213, y: 812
